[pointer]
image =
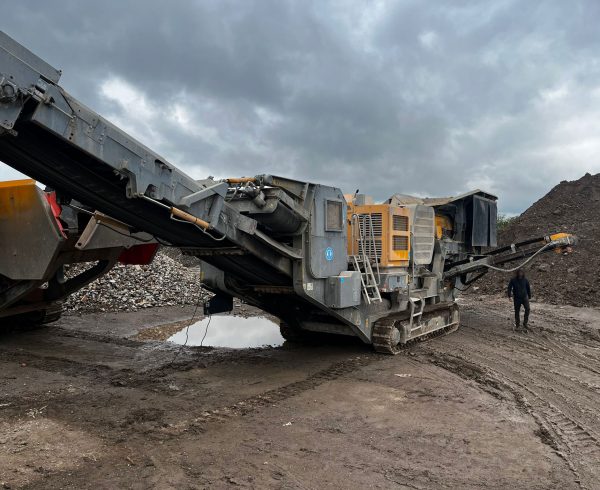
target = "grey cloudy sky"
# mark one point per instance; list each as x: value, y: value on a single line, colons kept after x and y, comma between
x: 422, y: 97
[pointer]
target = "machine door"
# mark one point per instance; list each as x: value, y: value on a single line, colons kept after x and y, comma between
x: 328, y: 233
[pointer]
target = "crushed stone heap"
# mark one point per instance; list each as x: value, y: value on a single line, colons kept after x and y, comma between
x: 164, y: 282
x: 573, y: 279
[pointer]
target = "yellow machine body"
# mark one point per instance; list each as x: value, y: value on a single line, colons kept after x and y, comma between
x: 391, y: 230
x: 30, y: 237
x: 443, y: 226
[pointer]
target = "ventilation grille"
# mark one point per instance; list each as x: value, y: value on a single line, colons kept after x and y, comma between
x: 423, y: 235
x: 376, y: 221
x: 400, y: 223
x: 400, y: 243
x: 371, y: 252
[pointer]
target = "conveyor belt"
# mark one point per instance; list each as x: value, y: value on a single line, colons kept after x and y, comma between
x: 50, y: 136
x: 50, y: 160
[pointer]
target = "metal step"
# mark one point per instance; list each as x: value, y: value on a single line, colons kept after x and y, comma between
x: 417, y: 306
x: 370, y: 287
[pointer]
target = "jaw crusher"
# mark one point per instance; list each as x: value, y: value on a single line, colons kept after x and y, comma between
x: 318, y: 260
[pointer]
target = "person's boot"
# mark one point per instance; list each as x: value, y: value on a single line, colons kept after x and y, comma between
x: 525, y: 328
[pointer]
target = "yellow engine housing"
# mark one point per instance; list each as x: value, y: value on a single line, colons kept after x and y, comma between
x: 391, y: 230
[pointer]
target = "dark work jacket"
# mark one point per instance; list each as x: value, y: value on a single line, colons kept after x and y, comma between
x: 519, y: 288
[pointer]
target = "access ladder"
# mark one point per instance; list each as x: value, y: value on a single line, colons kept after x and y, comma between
x: 361, y: 260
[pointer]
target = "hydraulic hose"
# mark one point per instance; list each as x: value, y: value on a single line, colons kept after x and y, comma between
x: 523, y: 264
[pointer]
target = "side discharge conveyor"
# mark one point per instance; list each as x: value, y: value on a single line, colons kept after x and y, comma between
x: 318, y: 260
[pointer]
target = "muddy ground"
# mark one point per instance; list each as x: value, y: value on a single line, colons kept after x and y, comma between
x: 87, y: 403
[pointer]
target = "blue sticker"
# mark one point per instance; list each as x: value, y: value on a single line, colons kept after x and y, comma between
x: 329, y: 254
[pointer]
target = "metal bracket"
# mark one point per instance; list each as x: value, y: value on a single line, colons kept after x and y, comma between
x: 8, y: 90
x: 218, y: 191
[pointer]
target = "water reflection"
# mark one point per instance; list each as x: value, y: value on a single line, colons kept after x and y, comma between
x: 232, y: 331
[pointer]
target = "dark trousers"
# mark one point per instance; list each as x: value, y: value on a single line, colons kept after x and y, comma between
x: 518, y: 303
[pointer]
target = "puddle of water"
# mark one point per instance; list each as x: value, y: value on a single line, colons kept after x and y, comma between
x: 232, y: 331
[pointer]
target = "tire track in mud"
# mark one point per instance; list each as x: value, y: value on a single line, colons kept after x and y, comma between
x: 487, y: 378
x: 278, y: 395
x: 553, y: 336
x: 224, y: 413
x: 145, y: 369
x: 566, y: 365
x: 563, y: 405
x: 577, y: 437
x: 56, y: 331
x: 587, y: 382
x: 558, y: 390
x: 55, y: 364
x: 270, y: 397
x: 559, y: 348
x: 540, y: 341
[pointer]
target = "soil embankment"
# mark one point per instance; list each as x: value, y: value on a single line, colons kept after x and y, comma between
x: 572, y: 279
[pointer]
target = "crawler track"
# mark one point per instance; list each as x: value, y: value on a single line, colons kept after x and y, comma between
x: 383, y: 338
x: 386, y: 336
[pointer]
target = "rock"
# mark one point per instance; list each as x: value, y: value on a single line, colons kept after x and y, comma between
x: 165, y: 282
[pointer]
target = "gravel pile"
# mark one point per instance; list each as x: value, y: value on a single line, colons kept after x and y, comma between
x: 572, y: 279
x: 164, y: 282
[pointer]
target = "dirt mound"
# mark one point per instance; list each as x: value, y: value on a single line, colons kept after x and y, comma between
x: 164, y: 282
x: 560, y: 279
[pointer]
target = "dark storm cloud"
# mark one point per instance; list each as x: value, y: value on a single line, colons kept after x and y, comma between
x: 430, y: 98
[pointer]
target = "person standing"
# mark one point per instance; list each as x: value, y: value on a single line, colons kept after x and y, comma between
x: 520, y: 291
